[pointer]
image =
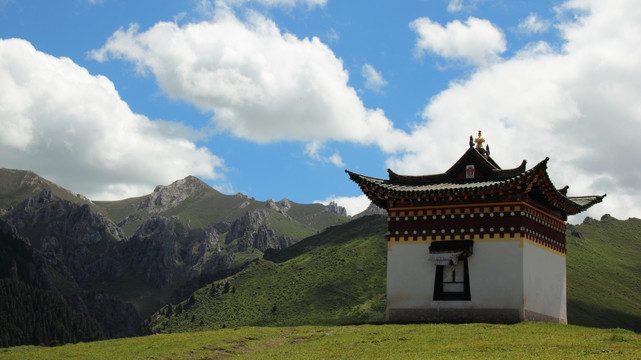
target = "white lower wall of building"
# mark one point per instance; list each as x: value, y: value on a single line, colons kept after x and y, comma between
x: 496, y: 275
x: 512, y: 279
x: 410, y: 276
x: 544, y: 281
x: 495, y: 271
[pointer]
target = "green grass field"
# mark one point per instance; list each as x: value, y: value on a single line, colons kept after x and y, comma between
x: 528, y: 340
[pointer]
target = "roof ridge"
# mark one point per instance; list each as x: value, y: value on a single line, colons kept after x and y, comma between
x: 535, y: 183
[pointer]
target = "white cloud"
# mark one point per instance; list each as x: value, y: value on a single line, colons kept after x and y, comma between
x: 373, y: 79
x: 580, y: 106
x: 533, y: 25
x: 352, y: 204
x: 455, y: 5
x: 475, y: 42
x: 274, y: 3
x: 260, y: 84
x: 333, y: 36
x: 336, y: 160
x: 313, y: 150
x: 73, y: 128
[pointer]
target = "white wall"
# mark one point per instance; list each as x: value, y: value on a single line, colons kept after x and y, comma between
x: 496, y: 275
x: 495, y: 270
x: 410, y: 276
x: 544, y: 282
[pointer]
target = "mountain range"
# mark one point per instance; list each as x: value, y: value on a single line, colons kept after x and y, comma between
x: 188, y: 258
x: 119, y: 261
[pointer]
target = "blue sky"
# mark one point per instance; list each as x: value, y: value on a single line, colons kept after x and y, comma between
x: 275, y: 98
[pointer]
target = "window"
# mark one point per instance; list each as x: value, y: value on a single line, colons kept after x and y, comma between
x: 452, y: 282
x: 452, y: 279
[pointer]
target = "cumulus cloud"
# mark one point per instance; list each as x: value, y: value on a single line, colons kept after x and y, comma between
x: 533, y: 25
x: 272, y: 3
x: 352, y: 204
x: 260, y: 84
x: 373, y: 79
x: 475, y: 42
x: 73, y: 128
x: 578, y: 105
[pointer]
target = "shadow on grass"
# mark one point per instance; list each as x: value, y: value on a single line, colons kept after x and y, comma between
x: 580, y: 313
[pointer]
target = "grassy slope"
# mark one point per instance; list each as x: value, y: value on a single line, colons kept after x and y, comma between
x: 327, y: 278
x: 529, y: 340
x: 604, y: 274
x: 307, y: 214
x: 335, y: 277
x: 17, y: 185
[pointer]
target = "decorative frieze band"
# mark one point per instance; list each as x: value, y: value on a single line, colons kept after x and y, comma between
x: 469, y: 222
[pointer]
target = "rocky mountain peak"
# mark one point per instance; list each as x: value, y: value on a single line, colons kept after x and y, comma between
x: 281, y: 206
x: 372, y: 209
x: 285, y: 204
x: 334, y: 208
x: 168, y: 196
x: 607, y: 217
x: 30, y: 178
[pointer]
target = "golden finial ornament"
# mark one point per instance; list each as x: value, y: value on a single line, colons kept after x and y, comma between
x: 479, y: 141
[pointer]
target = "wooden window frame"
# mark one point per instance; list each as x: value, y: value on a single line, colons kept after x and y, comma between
x: 439, y: 294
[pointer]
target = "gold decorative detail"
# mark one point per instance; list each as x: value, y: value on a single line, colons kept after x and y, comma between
x: 479, y: 141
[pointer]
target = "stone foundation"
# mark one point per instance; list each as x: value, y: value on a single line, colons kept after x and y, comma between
x: 534, y: 316
x: 502, y: 316
x: 495, y: 316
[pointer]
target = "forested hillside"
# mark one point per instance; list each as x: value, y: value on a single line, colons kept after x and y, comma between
x: 32, y: 316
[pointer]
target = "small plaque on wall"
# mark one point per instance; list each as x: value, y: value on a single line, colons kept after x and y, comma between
x: 469, y: 172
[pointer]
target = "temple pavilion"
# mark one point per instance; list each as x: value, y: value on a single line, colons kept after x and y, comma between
x: 476, y: 243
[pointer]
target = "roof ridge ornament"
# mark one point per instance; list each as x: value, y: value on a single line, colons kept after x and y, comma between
x: 479, y: 145
x: 479, y: 141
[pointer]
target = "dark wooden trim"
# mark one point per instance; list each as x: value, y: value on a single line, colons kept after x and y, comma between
x: 466, y: 222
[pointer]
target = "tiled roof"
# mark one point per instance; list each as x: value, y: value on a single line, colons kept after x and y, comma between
x: 492, y: 181
x: 585, y: 200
